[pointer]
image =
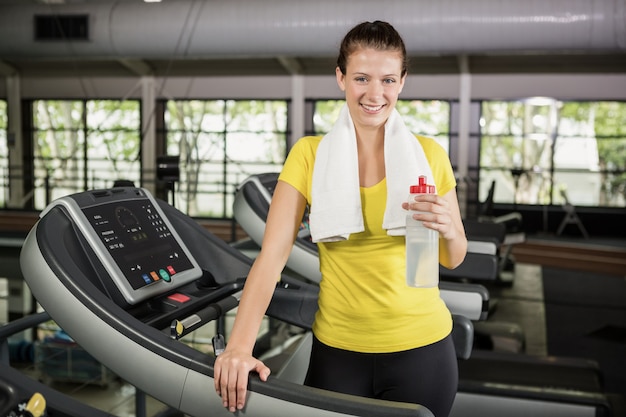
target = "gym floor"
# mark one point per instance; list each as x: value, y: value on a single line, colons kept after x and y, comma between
x: 521, y: 303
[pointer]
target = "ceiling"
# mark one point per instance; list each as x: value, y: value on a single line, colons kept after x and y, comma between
x: 254, y: 37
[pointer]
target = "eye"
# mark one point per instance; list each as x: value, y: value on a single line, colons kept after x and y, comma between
x: 360, y: 79
x: 389, y: 80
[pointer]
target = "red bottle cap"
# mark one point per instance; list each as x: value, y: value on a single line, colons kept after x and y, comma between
x: 421, y: 187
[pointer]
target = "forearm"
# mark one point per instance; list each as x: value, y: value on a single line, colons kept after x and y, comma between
x: 452, y: 251
x: 453, y: 244
x: 256, y: 297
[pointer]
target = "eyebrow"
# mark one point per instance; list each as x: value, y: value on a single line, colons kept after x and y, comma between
x: 384, y: 76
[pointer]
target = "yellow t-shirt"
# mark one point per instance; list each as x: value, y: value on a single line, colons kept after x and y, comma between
x: 365, y: 304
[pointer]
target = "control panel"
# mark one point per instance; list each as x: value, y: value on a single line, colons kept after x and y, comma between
x: 133, y: 240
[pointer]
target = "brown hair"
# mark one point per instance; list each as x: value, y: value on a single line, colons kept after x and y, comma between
x: 376, y: 35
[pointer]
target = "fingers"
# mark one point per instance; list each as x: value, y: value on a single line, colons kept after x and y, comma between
x: 432, y: 208
x: 435, y: 212
x: 428, y: 203
x: 231, y: 379
x: 236, y: 391
x: 230, y: 382
x: 262, y: 370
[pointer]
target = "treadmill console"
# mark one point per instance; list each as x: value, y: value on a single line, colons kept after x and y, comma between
x: 133, y: 240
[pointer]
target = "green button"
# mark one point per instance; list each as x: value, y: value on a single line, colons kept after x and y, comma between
x: 166, y: 277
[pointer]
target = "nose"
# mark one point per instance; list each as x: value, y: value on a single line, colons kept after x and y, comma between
x: 375, y: 91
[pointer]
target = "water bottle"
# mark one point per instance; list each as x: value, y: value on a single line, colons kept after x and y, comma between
x: 422, y: 245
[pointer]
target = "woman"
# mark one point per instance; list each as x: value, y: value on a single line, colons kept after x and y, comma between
x: 374, y: 335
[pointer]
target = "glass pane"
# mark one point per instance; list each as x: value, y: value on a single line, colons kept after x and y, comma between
x: 539, y: 117
x: 501, y: 151
x: 220, y: 143
x: 195, y: 115
x: 428, y: 118
x: 105, y: 115
x: 113, y: 143
x: 68, y: 162
x: 255, y: 115
x: 255, y: 147
x: 502, y: 118
x: 59, y: 140
x: 59, y: 165
x: 58, y: 114
x: 325, y: 115
x: 581, y: 188
x: 591, y: 141
x: 517, y: 142
x: 613, y: 188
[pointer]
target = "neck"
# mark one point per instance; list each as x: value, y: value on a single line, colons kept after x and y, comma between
x: 370, y: 148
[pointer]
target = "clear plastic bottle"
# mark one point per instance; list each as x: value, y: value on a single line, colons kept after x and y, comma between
x: 422, y: 245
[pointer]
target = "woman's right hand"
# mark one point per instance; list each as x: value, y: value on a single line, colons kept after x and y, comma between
x: 231, y: 372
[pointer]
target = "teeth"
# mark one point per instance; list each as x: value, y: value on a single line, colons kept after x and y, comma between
x: 372, y: 108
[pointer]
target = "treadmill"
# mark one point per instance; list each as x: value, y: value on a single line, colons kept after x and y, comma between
x: 127, y: 275
x: 490, y: 383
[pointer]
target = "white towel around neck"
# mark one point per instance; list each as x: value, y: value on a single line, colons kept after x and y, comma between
x: 336, y: 200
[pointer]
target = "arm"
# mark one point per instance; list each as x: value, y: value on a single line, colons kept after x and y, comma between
x: 233, y: 366
x: 443, y: 216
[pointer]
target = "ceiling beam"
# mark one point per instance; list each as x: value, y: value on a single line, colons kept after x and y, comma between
x: 292, y: 65
x: 137, y: 66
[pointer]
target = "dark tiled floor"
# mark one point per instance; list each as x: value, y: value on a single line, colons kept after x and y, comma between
x: 521, y: 304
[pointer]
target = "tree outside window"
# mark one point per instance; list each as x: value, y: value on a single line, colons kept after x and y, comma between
x: 80, y: 145
x: 220, y: 143
x: 597, y: 130
x: 541, y: 150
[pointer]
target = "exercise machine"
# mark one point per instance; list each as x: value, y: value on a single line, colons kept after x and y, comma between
x: 127, y: 276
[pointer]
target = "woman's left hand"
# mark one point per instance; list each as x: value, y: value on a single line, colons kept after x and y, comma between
x: 441, y: 213
x: 435, y: 213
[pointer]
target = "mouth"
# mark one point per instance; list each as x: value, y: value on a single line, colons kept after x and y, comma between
x: 372, y: 109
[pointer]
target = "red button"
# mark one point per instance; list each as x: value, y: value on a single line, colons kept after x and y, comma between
x: 179, y: 298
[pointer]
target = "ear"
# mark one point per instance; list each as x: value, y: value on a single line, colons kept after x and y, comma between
x: 340, y: 79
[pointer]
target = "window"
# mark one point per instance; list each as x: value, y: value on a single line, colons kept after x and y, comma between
x: 220, y: 143
x: 80, y: 145
x: 4, y: 155
x: 423, y: 117
x: 590, y: 153
x: 540, y: 150
x: 429, y: 118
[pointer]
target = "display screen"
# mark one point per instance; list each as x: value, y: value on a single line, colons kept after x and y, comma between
x: 139, y: 241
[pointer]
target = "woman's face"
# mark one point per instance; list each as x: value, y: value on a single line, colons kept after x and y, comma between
x: 372, y: 84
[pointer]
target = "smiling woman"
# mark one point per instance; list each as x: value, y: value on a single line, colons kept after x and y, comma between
x: 371, y: 333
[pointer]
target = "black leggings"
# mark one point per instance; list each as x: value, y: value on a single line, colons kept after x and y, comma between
x: 426, y: 375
